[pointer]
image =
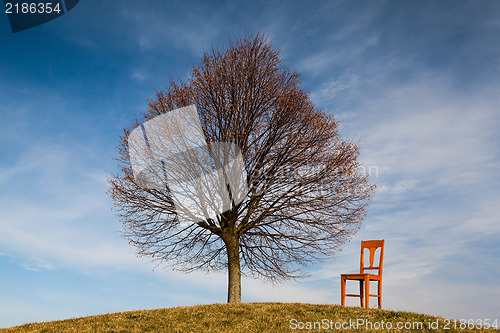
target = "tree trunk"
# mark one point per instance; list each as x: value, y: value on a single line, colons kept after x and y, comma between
x: 234, y: 271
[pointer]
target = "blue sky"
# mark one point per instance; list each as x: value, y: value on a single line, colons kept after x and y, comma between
x: 416, y: 83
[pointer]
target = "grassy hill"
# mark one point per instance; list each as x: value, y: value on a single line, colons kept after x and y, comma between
x: 252, y: 317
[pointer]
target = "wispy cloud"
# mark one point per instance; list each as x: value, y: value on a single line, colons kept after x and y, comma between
x: 62, y: 217
x: 166, y: 27
x: 37, y: 265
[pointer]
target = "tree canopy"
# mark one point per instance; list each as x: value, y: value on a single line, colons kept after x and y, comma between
x: 305, y: 192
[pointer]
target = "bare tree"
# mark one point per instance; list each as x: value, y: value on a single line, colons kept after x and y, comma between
x: 304, y: 192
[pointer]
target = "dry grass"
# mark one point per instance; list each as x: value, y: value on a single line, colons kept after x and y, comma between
x: 246, y: 317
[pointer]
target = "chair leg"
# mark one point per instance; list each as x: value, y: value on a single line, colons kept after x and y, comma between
x: 380, y: 294
x: 367, y: 292
x: 361, y: 293
x: 342, y: 291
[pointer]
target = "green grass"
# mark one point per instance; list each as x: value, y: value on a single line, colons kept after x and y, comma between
x: 246, y: 317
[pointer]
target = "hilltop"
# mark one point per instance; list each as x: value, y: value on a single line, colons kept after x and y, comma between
x: 252, y: 317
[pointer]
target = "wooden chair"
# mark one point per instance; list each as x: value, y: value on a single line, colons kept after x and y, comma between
x: 364, y: 278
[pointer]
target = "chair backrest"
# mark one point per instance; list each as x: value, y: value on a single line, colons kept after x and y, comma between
x: 372, y: 246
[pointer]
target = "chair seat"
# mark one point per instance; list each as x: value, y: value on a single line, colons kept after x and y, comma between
x: 361, y: 276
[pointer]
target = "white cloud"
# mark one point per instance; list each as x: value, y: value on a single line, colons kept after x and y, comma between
x: 139, y: 75
x: 422, y: 133
x: 399, y: 187
x: 174, y: 30
x: 335, y: 89
x: 37, y: 265
x: 63, y: 216
x: 68, y: 236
